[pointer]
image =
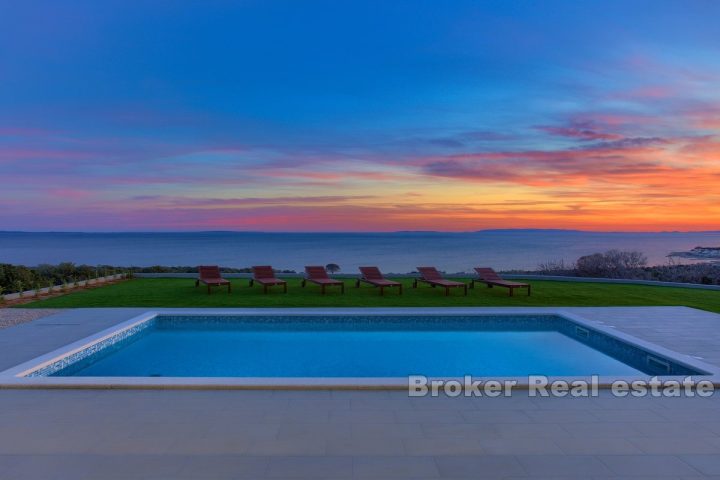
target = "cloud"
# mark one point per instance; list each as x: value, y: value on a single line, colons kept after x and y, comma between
x: 645, y: 92
x: 189, y: 202
x: 585, y: 131
x: 596, y: 164
x: 15, y: 131
x: 470, y: 137
x: 447, y: 142
x: 706, y: 117
x: 629, y: 160
x: 626, y: 143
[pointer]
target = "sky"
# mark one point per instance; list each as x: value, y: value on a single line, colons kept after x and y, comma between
x: 359, y: 115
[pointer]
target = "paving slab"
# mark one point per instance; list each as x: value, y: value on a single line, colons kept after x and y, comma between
x: 192, y: 434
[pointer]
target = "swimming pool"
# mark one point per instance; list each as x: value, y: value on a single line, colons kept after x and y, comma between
x: 157, y: 346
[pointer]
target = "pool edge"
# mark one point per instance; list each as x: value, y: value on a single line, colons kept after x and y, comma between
x: 14, y: 377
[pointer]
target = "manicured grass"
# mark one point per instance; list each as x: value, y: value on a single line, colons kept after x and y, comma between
x: 180, y: 292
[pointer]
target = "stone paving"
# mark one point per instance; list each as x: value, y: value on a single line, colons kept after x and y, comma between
x: 164, y: 434
x: 81, y: 434
x: 682, y: 329
x: 15, y: 316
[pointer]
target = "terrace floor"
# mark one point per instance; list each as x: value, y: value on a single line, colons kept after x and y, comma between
x: 97, y: 434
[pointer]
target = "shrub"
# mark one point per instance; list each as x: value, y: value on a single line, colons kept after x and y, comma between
x: 704, y: 273
x: 66, y: 269
x: 611, y: 264
x: 554, y: 267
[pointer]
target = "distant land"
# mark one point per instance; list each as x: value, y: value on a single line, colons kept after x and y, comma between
x: 710, y: 253
x: 486, y: 230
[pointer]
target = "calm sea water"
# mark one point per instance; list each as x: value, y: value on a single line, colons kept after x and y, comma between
x: 397, y: 252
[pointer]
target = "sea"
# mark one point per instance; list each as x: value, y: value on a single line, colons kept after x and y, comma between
x: 395, y: 252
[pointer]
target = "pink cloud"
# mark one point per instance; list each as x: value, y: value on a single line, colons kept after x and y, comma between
x: 187, y: 202
x: 628, y: 159
x: 15, y: 154
x: 70, y: 193
x: 26, y: 132
x: 652, y: 92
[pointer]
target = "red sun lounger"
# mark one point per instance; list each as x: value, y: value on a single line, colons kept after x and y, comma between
x: 318, y: 275
x: 265, y: 276
x: 372, y: 276
x: 491, y: 279
x: 432, y: 277
x: 210, y: 276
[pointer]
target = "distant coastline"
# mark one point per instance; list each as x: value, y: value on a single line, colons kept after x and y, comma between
x: 699, y: 253
x: 390, y: 232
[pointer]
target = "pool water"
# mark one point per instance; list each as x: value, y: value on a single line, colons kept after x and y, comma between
x: 360, y: 347
x: 198, y: 353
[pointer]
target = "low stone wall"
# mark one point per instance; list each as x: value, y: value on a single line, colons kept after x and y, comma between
x: 59, y: 288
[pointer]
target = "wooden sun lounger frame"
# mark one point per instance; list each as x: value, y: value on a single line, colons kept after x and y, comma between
x: 489, y: 277
x: 432, y: 277
x: 318, y: 275
x: 373, y: 276
x: 265, y: 276
x: 210, y: 275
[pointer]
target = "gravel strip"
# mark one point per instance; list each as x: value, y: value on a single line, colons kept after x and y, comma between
x: 16, y: 316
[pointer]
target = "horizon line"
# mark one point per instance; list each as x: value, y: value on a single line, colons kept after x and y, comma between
x: 108, y: 232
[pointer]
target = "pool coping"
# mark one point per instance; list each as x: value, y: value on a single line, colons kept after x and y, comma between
x: 14, y: 377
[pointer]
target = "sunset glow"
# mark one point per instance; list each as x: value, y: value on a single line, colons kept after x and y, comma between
x: 338, y: 116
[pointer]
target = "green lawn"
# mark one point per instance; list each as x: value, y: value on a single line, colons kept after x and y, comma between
x: 177, y: 292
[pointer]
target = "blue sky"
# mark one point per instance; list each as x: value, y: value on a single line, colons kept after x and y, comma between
x: 359, y: 115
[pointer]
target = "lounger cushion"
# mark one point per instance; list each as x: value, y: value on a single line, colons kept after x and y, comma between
x: 270, y: 281
x: 446, y: 283
x: 504, y: 283
x: 215, y: 281
x: 490, y: 276
x: 382, y: 282
x: 326, y: 281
